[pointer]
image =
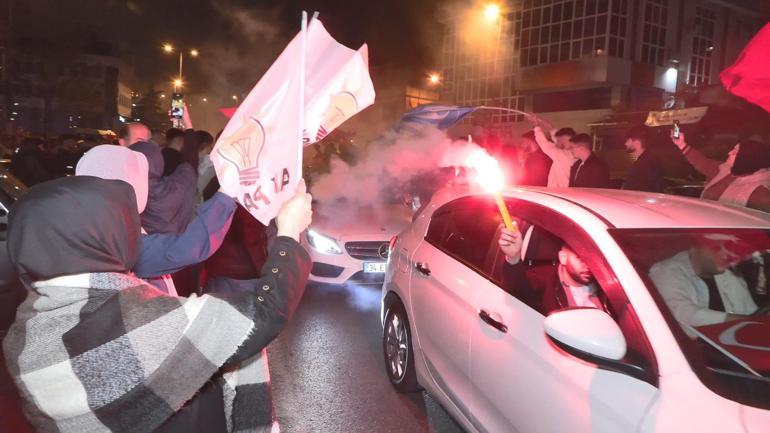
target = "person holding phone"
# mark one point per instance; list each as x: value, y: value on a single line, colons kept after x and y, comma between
x: 743, y: 179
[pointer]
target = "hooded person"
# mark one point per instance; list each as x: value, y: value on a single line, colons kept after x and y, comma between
x: 94, y: 348
x: 170, y: 198
x: 162, y: 254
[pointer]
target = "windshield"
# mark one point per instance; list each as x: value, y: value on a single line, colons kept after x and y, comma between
x: 713, y: 285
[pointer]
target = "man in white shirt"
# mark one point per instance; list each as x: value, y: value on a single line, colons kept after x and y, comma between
x: 558, y: 150
x: 698, y: 287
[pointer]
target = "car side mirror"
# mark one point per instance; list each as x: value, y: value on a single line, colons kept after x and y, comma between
x: 586, y: 333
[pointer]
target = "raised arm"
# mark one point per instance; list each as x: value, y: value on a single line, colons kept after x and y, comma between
x: 707, y: 167
x: 161, y: 254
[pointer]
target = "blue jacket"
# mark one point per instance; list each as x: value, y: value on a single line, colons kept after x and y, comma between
x: 161, y: 254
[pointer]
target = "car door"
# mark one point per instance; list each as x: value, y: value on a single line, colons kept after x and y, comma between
x: 522, y: 382
x: 444, y: 284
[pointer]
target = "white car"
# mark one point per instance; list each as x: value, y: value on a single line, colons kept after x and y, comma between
x: 351, y: 246
x: 456, y: 325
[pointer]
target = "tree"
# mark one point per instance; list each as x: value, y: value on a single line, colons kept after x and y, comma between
x: 150, y: 111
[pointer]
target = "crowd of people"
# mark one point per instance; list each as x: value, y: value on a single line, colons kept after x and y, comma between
x: 141, y: 257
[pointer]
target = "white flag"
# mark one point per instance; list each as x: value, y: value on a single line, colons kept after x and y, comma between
x: 261, y: 140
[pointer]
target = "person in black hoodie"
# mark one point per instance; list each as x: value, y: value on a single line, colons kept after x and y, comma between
x: 645, y: 173
x: 172, y: 152
x: 589, y: 171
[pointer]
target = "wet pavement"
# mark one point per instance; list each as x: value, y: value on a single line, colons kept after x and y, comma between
x: 328, y: 374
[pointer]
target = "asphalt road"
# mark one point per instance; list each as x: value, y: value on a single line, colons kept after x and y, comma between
x: 328, y: 374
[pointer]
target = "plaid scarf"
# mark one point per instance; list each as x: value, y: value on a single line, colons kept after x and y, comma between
x: 106, y: 352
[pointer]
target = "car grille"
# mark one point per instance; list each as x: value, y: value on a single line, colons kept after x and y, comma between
x: 372, y: 250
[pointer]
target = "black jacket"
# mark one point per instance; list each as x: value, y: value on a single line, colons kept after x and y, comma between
x: 645, y: 174
x: 536, y: 168
x: 593, y: 173
x: 539, y: 287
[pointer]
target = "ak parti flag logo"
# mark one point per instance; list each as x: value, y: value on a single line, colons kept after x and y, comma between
x: 342, y: 107
x: 263, y: 140
x: 243, y: 149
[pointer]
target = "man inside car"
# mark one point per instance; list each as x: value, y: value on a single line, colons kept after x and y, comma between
x: 547, y: 288
x: 698, y: 285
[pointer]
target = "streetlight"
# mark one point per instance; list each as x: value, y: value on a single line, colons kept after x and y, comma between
x: 235, y: 98
x: 177, y: 84
x: 168, y: 49
x: 492, y: 11
x: 205, y: 100
x: 434, y: 79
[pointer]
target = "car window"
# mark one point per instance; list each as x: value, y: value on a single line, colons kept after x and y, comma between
x: 547, y: 230
x: 465, y: 229
x: 713, y: 287
x: 539, y: 281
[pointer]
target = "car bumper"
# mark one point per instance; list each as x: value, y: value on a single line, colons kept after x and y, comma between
x: 342, y: 268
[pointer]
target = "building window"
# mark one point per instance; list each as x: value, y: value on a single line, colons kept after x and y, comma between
x: 618, y: 25
x: 654, y: 36
x: 561, y: 30
x: 702, y: 47
x: 481, y: 75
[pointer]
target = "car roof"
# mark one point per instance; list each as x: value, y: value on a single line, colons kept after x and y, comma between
x: 634, y: 209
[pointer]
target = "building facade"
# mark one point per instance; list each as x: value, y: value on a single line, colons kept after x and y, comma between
x: 49, y: 93
x: 574, y: 62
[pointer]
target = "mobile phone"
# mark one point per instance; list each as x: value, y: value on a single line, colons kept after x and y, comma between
x: 676, y: 129
x: 177, y: 105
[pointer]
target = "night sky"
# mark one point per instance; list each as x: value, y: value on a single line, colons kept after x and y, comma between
x: 238, y: 39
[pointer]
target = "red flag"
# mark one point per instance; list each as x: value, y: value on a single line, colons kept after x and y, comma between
x: 748, y: 339
x: 749, y: 76
x: 228, y: 111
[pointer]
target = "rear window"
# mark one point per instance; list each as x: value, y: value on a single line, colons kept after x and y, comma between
x: 713, y: 286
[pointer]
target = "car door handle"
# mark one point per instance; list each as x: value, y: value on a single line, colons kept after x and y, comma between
x: 492, y: 322
x: 423, y: 268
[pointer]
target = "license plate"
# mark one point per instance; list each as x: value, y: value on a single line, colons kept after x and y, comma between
x: 374, y: 267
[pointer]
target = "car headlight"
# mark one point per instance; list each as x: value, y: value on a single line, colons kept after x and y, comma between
x: 323, y: 243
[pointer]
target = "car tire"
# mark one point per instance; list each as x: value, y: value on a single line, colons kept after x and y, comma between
x: 397, y: 350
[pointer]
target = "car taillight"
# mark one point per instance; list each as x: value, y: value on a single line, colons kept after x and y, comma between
x: 392, y: 244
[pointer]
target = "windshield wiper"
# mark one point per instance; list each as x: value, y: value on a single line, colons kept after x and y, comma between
x: 722, y: 350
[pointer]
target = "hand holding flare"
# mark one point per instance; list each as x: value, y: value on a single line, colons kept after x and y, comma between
x: 490, y: 177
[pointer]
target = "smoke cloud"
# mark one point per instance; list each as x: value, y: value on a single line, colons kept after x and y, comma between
x: 388, y: 166
x: 236, y: 59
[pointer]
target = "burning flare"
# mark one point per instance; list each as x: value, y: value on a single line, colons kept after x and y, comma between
x: 490, y: 177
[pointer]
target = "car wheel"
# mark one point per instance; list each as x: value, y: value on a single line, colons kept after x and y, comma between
x: 398, y: 352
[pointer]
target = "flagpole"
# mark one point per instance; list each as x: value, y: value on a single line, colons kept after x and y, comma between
x: 534, y: 119
x: 301, y: 129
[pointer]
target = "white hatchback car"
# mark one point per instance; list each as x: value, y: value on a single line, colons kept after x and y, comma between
x: 502, y: 359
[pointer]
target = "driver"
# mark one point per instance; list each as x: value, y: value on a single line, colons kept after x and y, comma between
x: 698, y: 286
x: 570, y: 284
